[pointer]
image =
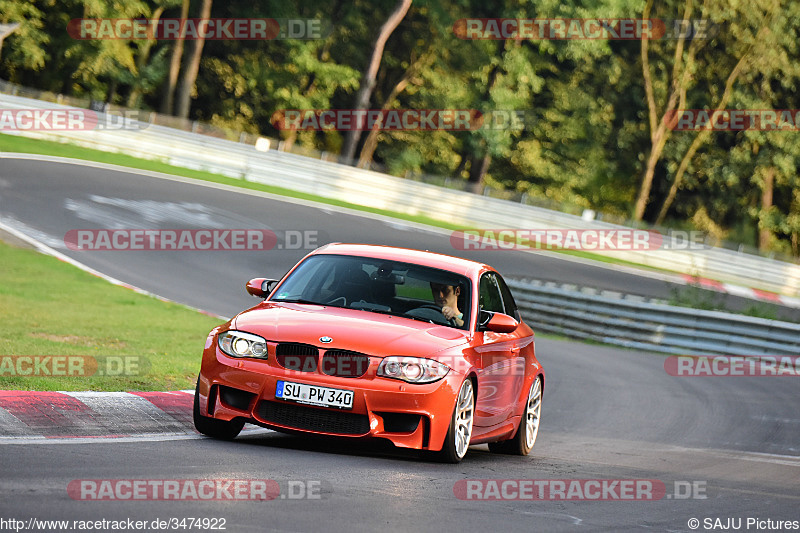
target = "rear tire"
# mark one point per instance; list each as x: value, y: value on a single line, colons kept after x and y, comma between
x: 524, y: 439
x: 218, y: 429
x: 459, y: 434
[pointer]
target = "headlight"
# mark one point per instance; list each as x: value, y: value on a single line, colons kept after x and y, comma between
x: 412, y: 369
x: 241, y: 344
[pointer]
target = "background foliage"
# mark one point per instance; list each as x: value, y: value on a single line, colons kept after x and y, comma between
x: 594, y: 106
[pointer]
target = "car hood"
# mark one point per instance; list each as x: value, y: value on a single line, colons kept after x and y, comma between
x: 349, y: 329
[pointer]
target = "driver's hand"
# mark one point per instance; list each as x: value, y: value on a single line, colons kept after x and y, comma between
x: 450, y: 313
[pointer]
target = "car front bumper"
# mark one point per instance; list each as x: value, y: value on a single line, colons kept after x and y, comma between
x: 409, y: 415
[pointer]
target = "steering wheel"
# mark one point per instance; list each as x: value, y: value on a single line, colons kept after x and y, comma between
x: 438, y: 317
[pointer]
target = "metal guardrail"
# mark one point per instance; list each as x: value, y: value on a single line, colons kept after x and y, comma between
x: 612, y: 318
x: 381, y: 191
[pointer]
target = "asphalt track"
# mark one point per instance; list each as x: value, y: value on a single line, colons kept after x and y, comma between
x: 47, y: 199
x: 608, y: 413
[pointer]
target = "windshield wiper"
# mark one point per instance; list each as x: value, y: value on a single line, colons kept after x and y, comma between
x: 390, y: 313
x: 426, y: 320
x: 297, y: 301
x: 370, y: 310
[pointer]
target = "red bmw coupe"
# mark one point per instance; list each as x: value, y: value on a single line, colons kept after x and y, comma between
x: 359, y: 341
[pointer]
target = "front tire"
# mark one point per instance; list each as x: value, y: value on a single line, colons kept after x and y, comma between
x: 218, y: 429
x: 459, y: 434
x: 524, y: 439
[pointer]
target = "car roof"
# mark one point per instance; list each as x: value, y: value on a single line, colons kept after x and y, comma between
x: 471, y: 269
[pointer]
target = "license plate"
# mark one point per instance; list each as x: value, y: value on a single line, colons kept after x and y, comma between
x: 314, y: 395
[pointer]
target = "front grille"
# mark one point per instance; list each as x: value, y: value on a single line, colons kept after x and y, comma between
x: 296, y: 356
x: 313, y: 419
x: 345, y: 364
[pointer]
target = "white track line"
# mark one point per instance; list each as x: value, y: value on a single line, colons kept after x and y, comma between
x: 43, y: 248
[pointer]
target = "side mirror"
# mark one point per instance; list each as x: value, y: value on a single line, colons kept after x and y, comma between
x: 260, y: 287
x: 500, y: 323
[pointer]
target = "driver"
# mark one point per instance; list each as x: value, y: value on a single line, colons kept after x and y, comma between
x: 446, y: 297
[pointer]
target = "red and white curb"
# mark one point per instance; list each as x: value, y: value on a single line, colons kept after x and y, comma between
x: 744, y: 292
x: 49, y: 417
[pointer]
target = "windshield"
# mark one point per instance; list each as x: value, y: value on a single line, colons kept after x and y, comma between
x: 380, y: 286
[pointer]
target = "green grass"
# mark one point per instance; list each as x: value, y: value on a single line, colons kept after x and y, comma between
x: 696, y: 297
x: 48, y: 307
x: 15, y: 143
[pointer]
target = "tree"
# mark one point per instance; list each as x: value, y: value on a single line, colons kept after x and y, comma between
x: 743, y: 47
x: 190, y: 68
x: 104, y: 64
x: 370, y: 72
x: 755, y: 58
x: 150, y: 70
x: 25, y: 47
x: 168, y: 100
x: 371, y: 142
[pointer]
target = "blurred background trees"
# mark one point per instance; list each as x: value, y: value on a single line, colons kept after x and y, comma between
x: 594, y: 135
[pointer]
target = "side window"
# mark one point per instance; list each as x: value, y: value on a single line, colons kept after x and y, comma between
x: 489, y: 293
x: 508, y: 300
